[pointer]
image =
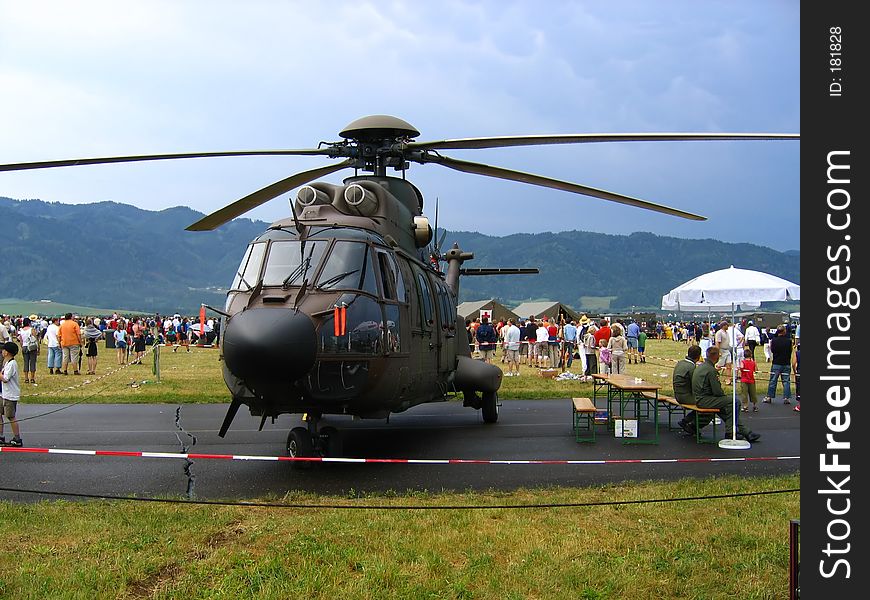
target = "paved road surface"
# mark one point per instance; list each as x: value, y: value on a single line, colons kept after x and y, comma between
x: 527, y: 429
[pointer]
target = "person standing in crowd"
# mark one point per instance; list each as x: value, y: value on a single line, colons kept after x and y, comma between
x: 766, y: 335
x: 618, y: 346
x: 780, y: 350
x: 682, y: 381
x: 569, y: 334
x: 10, y: 394
x: 722, y: 340
x: 51, y: 340
x: 641, y: 345
x: 29, y: 340
x: 589, y: 349
x: 531, y: 341
x: 121, y: 342
x: 4, y: 331
x: 708, y: 393
x: 512, y: 348
x: 138, y: 342
x: 487, y: 340
x: 542, y: 336
x: 604, y: 356
x: 753, y: 338
x: 747, y: 382
x: 91, y: 334
x: 553, y: 344
x: 603, y: 333
x: 632, y: 331
x: 469, y: 333
x: 524, y: 342
x: 70, y: 336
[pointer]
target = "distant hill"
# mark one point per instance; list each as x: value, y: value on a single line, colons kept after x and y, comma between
x: 110, y: 254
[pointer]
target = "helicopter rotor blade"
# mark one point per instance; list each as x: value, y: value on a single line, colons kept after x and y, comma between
x: 585, y: 138
x: 251, y: 201
x: 511, y: 175
x: 75, y: 162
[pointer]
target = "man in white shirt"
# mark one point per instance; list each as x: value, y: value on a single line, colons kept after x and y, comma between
x: 4, y: 333
x: 753, y: 337
x: 512, y: 348
x: 55, y: 355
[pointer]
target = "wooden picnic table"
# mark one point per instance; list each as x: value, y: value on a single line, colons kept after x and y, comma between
x: 628, y: 389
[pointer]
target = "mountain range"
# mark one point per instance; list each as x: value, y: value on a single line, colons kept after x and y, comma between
x: 111, y: 254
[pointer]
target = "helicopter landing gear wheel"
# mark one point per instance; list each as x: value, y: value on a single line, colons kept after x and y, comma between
x: 331, y: 443
x: 489, y: 407
x: 299, y: 445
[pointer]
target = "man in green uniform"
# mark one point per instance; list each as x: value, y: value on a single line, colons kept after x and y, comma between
x: 682, y: 379
x: 708, y: 394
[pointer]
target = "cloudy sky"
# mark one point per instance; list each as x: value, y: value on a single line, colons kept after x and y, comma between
x: 83, y: 79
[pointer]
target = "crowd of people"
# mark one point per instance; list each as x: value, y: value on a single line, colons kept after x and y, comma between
x: 728, y: 351
x: 71, y: 343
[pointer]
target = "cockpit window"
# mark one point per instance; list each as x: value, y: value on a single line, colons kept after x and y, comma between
x: 349, y: 267
x: 291, y: 262
x: 249, y: 269
x: 391, y: 278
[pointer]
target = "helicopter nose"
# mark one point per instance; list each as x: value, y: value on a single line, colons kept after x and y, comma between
x: 270, y: 342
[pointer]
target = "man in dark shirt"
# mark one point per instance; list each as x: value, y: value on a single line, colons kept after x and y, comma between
x: 708, y: 394
x: 531, y: 332
x: 780, y: 349
x: 682, y: 379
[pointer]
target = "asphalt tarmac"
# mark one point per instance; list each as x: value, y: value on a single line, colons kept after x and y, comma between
x: 526, y: 430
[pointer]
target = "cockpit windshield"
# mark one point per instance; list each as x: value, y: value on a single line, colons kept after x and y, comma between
x: 343, y: 257
x: 349, y: 268
x: 291, y: 262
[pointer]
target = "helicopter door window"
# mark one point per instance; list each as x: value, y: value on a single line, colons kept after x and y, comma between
x: 425, y: 300
x: 448, y: 315
x: 286, y: 265
x: 349, y: 267
x: 249, y: 269
x: 391, y: 278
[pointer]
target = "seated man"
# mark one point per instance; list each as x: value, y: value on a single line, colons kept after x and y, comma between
x: 682, y: 379
x: 708, y: 394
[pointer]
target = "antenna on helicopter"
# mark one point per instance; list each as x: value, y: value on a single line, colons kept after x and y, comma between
x: 435, y: 256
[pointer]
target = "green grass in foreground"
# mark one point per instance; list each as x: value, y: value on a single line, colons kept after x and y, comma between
x: 735, y: 547
x: 195, y: 376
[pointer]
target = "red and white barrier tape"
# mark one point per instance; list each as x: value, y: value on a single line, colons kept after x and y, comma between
x: 409, y: 461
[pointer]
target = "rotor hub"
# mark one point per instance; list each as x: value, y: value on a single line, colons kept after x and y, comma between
x: 379, y: 128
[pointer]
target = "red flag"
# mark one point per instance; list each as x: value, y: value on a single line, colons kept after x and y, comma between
x: 202, y: 323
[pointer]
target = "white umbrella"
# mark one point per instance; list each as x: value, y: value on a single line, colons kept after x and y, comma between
x: 734, y: 286
x: 730, y: 287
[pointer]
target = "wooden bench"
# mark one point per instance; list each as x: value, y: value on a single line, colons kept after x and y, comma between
x: 583, y: 419
x: 672, y: 406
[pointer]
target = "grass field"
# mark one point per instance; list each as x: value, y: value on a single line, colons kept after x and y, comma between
x: 728, y: 547
x: 736, y: 547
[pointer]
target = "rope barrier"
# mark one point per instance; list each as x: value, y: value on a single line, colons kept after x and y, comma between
x: 396, y: 506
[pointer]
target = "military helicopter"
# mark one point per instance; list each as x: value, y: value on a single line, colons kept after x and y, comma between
x: 342, y: 308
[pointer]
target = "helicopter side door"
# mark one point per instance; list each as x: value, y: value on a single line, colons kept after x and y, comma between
x: 424, y: 350
x: 446, y: 327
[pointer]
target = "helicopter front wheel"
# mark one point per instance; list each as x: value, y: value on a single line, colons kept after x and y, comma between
x: 489, y: 407
x: 299, y: 445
